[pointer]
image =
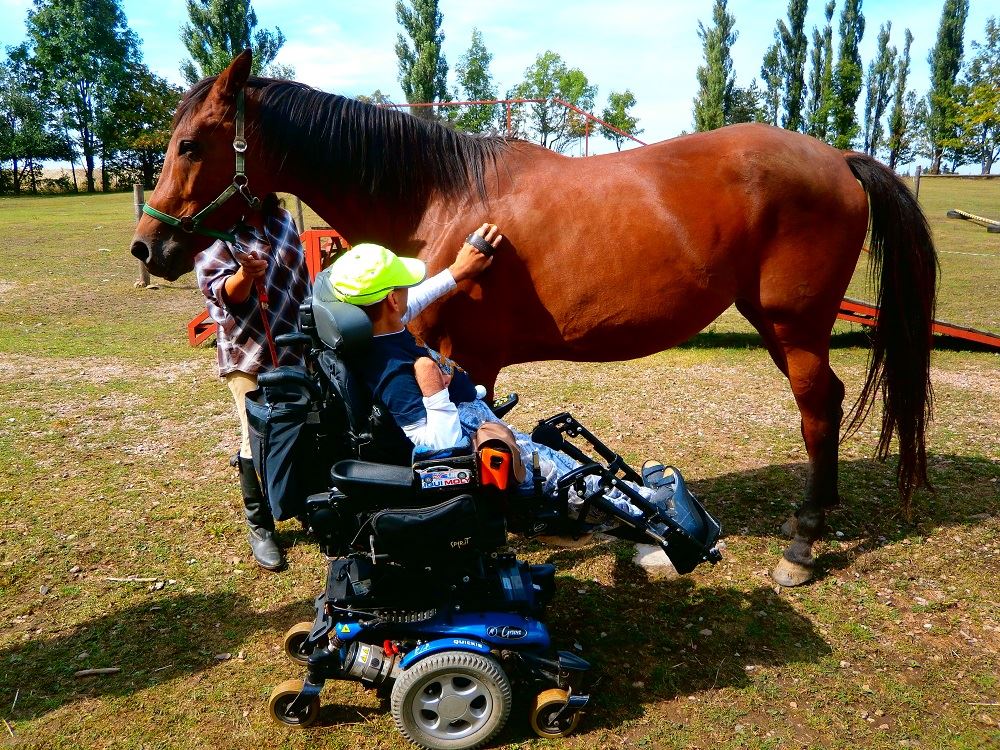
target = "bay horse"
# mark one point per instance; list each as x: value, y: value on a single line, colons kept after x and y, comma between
x: 608, y: 257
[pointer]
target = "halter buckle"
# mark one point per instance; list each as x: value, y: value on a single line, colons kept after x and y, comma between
x: 187, y: 224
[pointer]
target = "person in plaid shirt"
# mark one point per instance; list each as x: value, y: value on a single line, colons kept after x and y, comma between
x: 227, y: 275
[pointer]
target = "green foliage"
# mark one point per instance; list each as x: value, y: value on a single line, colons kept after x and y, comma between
x: 770, y: 73
x: 27, y: 135
x: 219, y: 30
x: 715, y: 78
x: 793, y: 63
x: 376, y: 97
x: 552, y: 124
x: 137, y: 132
x: 978, y: 116
x: 847, y: 76
x: 476, y: 84
x: 881, y: 72
x: 901, y: 120
x: 423, y: 70
x: 748, y: 104
x: 83, y: 51
x: 821, y: 78
x: 617, y: 115
x: 945, y: 59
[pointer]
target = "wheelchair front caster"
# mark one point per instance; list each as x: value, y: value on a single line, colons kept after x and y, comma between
x: 545, y: 719
x: 295, y: 641
x: 279, y: 704
x: 453, y: 700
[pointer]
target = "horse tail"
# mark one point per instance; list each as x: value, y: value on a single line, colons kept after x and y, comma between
x: 904, y: 269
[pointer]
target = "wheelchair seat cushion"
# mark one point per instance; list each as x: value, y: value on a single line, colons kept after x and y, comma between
x: 374, y: 483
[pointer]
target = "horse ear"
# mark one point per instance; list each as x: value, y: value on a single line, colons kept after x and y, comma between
x: 234, y: 78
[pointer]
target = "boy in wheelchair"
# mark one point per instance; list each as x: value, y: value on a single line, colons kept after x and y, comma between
x: 423, y: 600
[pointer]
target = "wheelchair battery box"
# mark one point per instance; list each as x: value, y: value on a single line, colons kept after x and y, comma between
x: 447, y: 474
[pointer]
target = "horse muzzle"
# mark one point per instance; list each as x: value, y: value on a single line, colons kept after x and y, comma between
x: 160, y: 258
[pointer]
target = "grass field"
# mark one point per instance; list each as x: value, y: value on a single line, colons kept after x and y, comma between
x: 113, y: 464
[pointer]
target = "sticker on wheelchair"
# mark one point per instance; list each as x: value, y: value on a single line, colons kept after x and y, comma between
x: 436, y: 477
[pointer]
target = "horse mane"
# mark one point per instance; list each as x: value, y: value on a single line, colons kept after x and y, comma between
x: 349, y: 143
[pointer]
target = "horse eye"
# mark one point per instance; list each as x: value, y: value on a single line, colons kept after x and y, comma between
x: 187, y: 147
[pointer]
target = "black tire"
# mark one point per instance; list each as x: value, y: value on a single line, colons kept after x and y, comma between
x: 453, y: 700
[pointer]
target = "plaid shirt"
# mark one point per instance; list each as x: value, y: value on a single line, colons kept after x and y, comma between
x: 241, y: 341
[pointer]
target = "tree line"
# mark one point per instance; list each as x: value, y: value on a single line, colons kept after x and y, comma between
x: 808, y: 86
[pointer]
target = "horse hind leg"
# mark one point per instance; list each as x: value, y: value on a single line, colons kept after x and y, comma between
x: 819, y: 394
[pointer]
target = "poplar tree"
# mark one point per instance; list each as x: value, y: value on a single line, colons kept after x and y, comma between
x: 617, y: 115
x: 423, y: 70
x: 770, y: 73
x: 821, y: 77
x: 900, y: 119
x: 847, y: 76
x: 945, y: 59
x: 794, y: 47
x: 476, y: 84
x: 219, y: 30
x: 881, y: 72
x: 715, y: 78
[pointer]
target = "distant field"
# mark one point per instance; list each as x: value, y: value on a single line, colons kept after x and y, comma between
x: 114, y: 438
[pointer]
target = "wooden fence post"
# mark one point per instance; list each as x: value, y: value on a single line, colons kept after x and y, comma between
x: 916, y: 183
x: 139, y: 199
x: 298, y: 214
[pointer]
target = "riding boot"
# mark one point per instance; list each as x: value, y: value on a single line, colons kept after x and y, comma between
x: 265, y: 549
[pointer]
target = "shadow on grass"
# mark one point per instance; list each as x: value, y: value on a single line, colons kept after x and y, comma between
x: 655, y: 640
x: 177, y: 636
x: 870, y: 514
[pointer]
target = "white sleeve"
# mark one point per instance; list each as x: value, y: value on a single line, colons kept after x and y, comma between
x: 426, y: 292
x: 442, y: 428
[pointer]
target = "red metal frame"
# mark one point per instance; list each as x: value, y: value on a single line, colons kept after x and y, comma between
x: 201, y: 327
x: 856, y: 311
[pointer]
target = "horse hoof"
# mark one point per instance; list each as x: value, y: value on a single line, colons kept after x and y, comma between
x: 789, y: 574
x: 788, y: 527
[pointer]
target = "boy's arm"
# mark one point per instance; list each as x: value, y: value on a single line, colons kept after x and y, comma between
x: 468, y: 263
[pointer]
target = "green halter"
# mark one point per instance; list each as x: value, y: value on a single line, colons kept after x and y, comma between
x: 192, y: 224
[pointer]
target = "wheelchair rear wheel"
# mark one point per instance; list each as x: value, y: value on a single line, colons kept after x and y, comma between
x: 453, y: 700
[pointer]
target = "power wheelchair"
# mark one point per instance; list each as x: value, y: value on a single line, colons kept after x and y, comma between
x: 424, y: 601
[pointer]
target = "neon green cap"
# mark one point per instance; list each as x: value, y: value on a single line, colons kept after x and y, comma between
x: 366, y: 274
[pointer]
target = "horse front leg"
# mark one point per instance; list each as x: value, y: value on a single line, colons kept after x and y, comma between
x: 819, y: 394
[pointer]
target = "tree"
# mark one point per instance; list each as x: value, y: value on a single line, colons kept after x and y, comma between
x: 617, y: 115
x: 901, y: 119
x: 748, y: 104
x: 549, y: 78
x: 793, y: 63
x: 847, y: 76
x: 945, y: 59
x: 881, y: 72
x: 770, y: 73
x: 423, y: 70
x: 218, y: 30
x: 83, y: 56
x: 376, y: 97
x: 821, y: 78
x: 140, y: 129
x: 978, y: 117
x: 476, y: 84
x: 715, y: 78
x: 26, y: 135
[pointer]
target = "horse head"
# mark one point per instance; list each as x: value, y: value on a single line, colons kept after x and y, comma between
x: 203, y: 189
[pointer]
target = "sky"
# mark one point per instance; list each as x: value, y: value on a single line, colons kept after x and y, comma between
x: 650, y: 47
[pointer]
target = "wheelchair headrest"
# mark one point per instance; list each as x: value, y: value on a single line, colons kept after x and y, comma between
x: 339, y: 325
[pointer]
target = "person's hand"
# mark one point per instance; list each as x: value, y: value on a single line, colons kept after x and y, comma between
x: 470, y: 261
x: 253, y: 266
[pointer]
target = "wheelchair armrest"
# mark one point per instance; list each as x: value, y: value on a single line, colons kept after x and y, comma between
x: 501, y: 406
x: 293, y: 339
x: 285, y: 376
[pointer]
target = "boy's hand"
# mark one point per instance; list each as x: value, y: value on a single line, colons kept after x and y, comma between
x: 471, y: 261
